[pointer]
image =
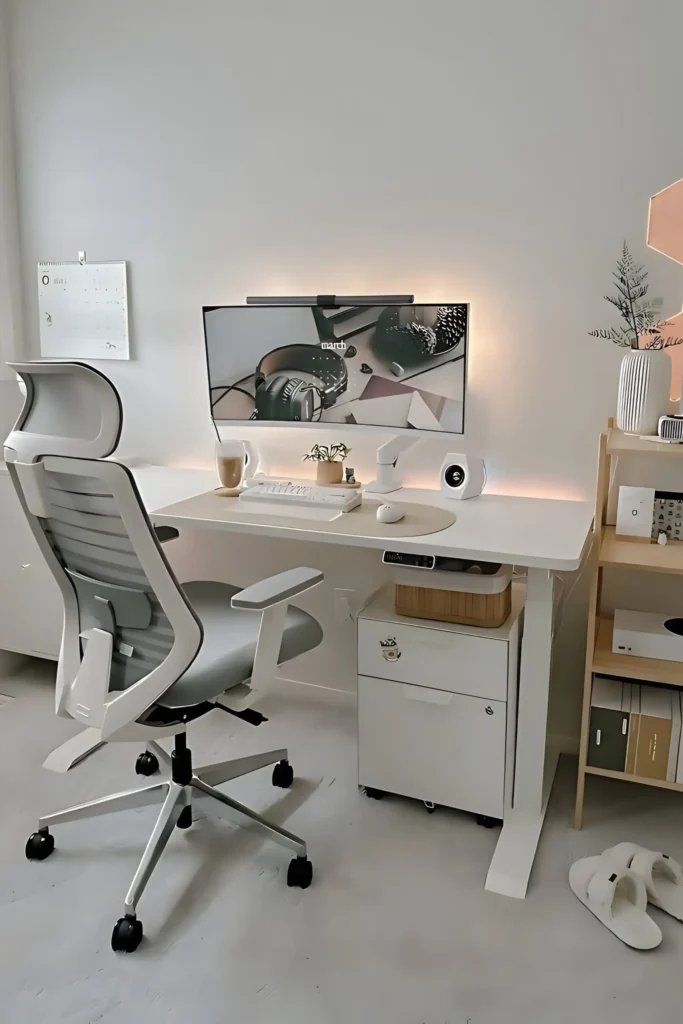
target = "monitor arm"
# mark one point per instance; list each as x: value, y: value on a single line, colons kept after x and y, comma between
x: 388, y: 476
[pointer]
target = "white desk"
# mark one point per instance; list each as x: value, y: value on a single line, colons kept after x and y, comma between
x: 543, y: 535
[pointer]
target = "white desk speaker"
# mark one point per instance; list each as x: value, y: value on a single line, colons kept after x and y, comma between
x: 462, y: 476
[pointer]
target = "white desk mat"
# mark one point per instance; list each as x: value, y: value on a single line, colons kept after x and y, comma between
x: 419, y: 520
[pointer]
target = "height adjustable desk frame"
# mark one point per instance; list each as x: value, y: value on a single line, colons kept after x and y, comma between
x: 543, y: 535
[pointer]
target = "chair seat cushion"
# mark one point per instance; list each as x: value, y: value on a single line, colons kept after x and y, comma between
x: 226, y: 657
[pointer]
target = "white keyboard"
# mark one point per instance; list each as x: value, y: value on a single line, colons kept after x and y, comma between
x: 284, y: 492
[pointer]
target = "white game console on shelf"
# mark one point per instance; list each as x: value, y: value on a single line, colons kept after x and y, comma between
x: 648, y: 635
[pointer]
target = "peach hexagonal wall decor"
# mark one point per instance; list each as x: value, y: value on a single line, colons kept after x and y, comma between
x: 673, y: 328
x: 665, y: 227
x: 665, y: 234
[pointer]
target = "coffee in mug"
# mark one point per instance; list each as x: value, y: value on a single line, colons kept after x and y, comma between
x: 231, y: 462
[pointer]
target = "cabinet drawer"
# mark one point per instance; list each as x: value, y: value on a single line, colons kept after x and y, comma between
x: 438, y: 658
x: 432, y: 745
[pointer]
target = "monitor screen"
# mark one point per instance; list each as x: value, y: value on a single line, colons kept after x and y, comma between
x: 384, y: 366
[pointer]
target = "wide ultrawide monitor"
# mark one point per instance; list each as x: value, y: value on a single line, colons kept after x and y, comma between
x: 384, y: 366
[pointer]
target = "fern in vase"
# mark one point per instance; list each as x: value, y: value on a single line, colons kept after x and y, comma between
x: 645, y: 376
x: 638, y: 313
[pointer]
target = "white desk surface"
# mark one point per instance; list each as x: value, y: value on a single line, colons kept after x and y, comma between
x: 535, y: 532
x: 159, y: 485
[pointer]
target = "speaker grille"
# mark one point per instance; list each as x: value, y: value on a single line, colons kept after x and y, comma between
x: 671, y: 428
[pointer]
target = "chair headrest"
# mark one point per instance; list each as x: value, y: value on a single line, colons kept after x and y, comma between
x: 70, y: 409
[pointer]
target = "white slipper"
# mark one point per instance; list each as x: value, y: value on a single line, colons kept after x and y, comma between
x: 618, y: 899
x: 662, y: 875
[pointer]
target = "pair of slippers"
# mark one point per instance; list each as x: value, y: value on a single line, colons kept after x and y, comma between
x: 617, y: 886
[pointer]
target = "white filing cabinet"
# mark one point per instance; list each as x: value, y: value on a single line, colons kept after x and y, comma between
x: 31, y: 607
x: 437, y: 707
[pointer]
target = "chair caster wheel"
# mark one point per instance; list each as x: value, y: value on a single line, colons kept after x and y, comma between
x: 127, y: 935
x: 430, y: 806
x: 40, y: 845
x: 147, y: 764
x: 300, y: 872
x: 486, y: 822
x: 375, y: 794
x: 185, y: 818
x: 283, y: 775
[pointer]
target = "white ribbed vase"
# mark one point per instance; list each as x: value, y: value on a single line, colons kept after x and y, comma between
x: 644, y: 386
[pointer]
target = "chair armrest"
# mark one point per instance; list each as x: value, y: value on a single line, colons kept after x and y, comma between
x: 276, y: 589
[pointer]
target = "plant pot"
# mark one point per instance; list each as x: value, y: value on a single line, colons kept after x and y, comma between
x: 644, y: 387
x: 329, y: 473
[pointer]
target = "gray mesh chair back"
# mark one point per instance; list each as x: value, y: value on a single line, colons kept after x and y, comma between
x: 88, y: 535
x: 129, y: 632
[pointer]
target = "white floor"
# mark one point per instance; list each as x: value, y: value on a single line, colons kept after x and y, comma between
x: 396, y: 928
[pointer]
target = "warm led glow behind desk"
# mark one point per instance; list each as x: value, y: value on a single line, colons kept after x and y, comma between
x: 544, y: 535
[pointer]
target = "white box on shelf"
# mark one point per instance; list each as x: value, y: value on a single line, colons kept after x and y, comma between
x: 634, y: 512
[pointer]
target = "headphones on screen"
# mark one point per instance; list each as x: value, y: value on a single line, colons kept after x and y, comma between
x: 284, y: 396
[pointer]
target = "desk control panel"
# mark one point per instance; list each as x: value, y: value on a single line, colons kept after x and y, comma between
x: 441, y: 563
x: 414, y: 561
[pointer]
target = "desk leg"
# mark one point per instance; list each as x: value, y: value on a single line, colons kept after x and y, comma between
x: 73, y: 751
x: 513, y: 859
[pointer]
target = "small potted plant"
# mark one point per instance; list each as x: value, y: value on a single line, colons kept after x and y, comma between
x: 329, y: 460
x: 645, y: 376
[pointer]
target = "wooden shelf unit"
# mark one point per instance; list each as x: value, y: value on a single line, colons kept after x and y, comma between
x: 659, y: 783
x: 610, y: 552
x: 619, y: 443
x: 616, y: 553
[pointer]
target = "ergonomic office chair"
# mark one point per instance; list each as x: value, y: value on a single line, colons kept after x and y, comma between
x: 141, y: 656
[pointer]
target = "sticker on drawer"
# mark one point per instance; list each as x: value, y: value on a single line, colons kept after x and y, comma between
x: 390, y: 649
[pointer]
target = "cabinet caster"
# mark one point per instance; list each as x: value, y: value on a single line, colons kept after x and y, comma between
x: 486, y: 822
x: 300, y: 872
x: 431, y: 807
x: 40, y: 845
x: 127, y: 935
x: 146, y: 764
x: 375, y: 794
x: 283, y: 775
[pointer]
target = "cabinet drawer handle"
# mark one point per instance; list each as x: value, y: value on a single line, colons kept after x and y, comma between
x: 598, y: 737
x: 427, y: 696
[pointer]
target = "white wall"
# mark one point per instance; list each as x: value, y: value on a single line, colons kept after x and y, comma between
x: 10, y: 273
x: 10, y: 265
x: 492, y: 152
